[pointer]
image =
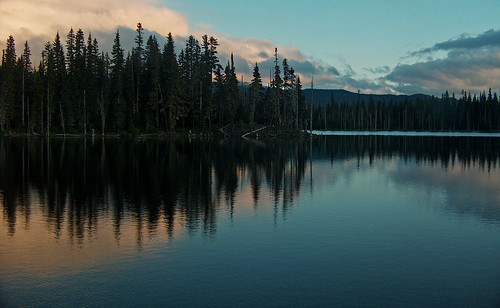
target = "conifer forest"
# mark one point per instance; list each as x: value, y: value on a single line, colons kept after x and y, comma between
x: 78, y: 89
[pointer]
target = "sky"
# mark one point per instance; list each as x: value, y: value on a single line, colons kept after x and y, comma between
x: 377, y: 46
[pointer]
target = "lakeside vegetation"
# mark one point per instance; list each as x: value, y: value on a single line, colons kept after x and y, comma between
x: 423, y: 113
x: 78, y: 89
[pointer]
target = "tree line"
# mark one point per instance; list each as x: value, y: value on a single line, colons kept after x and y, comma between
x: 76, y: 88
x: 425, y: 113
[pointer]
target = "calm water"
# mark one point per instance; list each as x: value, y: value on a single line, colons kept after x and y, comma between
x: 332, y: 221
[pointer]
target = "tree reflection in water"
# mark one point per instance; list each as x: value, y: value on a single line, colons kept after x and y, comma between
x: 77, y: 182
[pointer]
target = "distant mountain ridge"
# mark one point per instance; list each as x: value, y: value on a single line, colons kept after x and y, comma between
x: 323, y: 97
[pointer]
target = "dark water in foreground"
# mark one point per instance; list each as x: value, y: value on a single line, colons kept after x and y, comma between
x: 338, y: 221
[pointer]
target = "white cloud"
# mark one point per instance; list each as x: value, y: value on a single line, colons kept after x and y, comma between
x: 467, y: 62
x: 475, y: 70
x: 26, y: 20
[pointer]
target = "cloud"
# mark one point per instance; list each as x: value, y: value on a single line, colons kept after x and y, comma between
x: 467, y: 62
x: 490, y: 38
x: 378, y: 70
x: 253, y: 50
x: 263, y: 55
x: 40, y: 21
x: 469, y: 68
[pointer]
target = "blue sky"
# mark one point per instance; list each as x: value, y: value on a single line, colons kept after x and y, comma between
x: 379, y: 46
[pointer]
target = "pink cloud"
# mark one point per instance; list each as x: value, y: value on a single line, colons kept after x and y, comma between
x: 26, y: 20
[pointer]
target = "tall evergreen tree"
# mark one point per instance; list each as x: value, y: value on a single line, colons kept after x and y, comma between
x: 129, y: 94
x: 27, y: 86
x: 189, y: 63
x: 233, y: 92
x: 117, y: 105
x: 172, y: 109
x: 58, y: 73
x: 301, y: 105
x: 219, y: 95
x: 7, y: 84
x: 48, y: 66
x: 152, y: 83
x: 209, y: 62
x: 91, y: 113
x: 137, y: 55
x: 80, y: 81
x: 70, y: 52
x: 255, y: 92
x: 71, y: 83
x: 289, y: 95
x: 276, y: 85
x: 103, y: 86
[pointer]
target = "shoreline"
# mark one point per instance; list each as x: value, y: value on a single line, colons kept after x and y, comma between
x: 265, y: 132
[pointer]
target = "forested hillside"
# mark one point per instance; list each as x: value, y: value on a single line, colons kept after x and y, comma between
x: 408, y: 113
x: 77, y: 89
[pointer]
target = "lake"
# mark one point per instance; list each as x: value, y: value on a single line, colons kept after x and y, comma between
x: 323, y: 221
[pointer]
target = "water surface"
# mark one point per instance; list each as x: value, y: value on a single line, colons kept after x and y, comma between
x: 328, y: 221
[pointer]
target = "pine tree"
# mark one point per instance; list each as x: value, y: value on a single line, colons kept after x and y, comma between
x: 209, y: 62
x: 219, y: 95
x: 27, y: 85
x: 79, y: 81
x: 70, y: 52
x: 71, y: 85
x: 37, y: 107
x: 59, y: 77
x: 233, y: 94
x: 301, y: 105
x: 7, y: 86
x: 103, y: 85
x: 152, y: 83
x: 289, y: 95
x: 137, y: 55
x: 117, y: 106
x: 276, y: 85
x: 172, y: 109
x: 48, y: 66
x: 129, y: 94
x: 91, y: 106
x: 189, y: 62
x: 255, y: 92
